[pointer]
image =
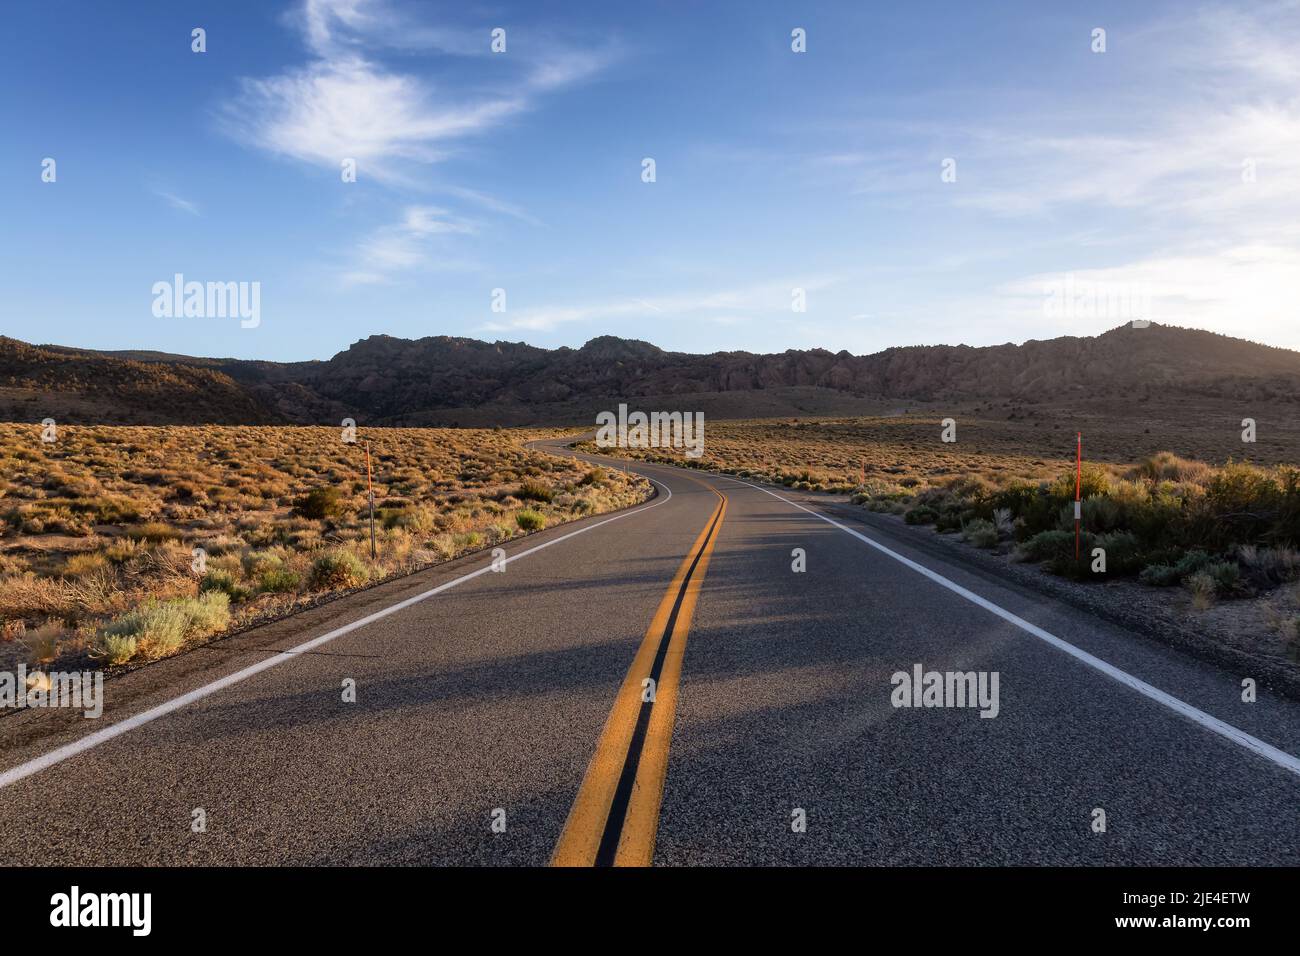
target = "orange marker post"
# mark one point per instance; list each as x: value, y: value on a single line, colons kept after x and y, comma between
x: 370, y: 483
x: 1078, y: 490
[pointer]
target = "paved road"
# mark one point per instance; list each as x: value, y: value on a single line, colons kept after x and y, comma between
x: 507, y: 719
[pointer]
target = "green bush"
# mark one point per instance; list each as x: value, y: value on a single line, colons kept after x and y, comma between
x: 1168, y: 574
x: 338, y: 569
x: 160, y: 628
x: 117, y: 648
x: 530, y: 520
x: 1226, y: 576
x: 1123, y: 552
x: 535, y: 491
x: 1048, y: 546
x: 980, y: 533
x: 224, y: 581
x: 922, y: 514
x: 1159, y: 575
x: 278, y: 581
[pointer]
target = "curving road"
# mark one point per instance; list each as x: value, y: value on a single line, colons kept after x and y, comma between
x: 660, y: 686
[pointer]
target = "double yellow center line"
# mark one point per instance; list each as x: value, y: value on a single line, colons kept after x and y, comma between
x: 616, y: 814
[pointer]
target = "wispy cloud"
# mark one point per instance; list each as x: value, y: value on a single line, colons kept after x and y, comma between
x: 346, y: 104
x: 726, y: 306
x: 493, y: 204
x: 405, y: 246
x: 176, y: 202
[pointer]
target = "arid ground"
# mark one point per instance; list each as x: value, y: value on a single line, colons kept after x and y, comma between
x: 98, y: 527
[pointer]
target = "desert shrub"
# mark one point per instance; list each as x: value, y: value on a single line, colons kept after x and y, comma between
x: 79, y: 565
x: 1226, y: 576
x: 1268, y: 567
x: 319, y: 503
x: 953, y: 516
x: 969, y: 487
x: 980, y: 533
x: 443, y: 546
x: 116, y: 649
x: 219, y: 579
x: 1093, y: 481
x: 154, y: 532
x: 597, y: 476
x: 1047, y: 546
x: 1203, y: 587
x: 338, y: 569
x: 42, y: 643
x: 1159, y: 575
x: 1242, y: 504
x: 278, y: 580
x: 530, y: 520
x: 1034, y: 509
x: 257, y: 563
x: 418, y: 521
x: 1166, y: 574
x: 535, y: 491
x: 921, y: 514
x: 159, y: 628
x: 1166, y: 466
x: 1124, y: 553
x: 1099, y: 514
x: 206, y: 614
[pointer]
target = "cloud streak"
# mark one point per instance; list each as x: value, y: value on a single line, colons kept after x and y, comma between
x: 405, y: 246
x: 345, y: 104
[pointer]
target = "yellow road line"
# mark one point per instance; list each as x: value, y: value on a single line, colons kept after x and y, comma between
x: 615, y: 816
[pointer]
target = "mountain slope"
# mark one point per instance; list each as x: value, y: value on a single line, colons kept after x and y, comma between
x: 442, y: 380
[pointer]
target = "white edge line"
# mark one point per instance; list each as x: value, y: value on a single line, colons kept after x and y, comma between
x: 1280, y: 757
x: 60, y: 754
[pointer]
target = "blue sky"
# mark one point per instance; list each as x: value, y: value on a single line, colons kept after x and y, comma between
x: 1160, y: 178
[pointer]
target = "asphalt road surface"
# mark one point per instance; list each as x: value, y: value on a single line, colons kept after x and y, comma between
x: 662, y: 686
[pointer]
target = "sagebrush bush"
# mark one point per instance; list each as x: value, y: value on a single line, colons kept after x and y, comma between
x: 154, y: 532
x: 530, y: 520
x: 219, y: 579
x: 922, y: 514
x: 1203, y: 588
x: 338, y: 569
x: 159, y: 628
x: 1124, y: 553
x: 278, y: 580
x: 535, y: 491
x: 980, y: 533
x: 319, y: 503
x: 1047, y: 546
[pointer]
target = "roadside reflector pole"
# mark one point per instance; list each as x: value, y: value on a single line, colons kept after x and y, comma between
x: 370, y: 483
x: 1078, y: 488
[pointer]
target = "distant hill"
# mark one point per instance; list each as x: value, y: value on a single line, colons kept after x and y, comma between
x: 383, y: 380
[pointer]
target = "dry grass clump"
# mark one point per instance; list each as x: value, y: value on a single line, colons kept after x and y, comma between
x: 98, y: 530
